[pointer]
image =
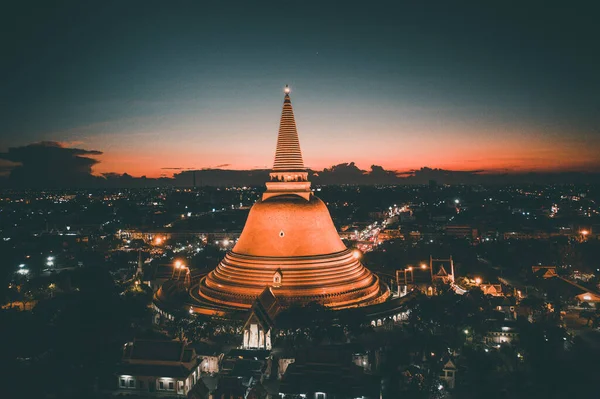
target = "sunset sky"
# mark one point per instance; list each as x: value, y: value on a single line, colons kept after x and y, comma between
x: 159, y: 85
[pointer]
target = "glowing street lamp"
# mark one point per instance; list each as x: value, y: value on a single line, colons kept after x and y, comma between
x: 477, y: 280
x: 423, y: 266
x: 158, y: 241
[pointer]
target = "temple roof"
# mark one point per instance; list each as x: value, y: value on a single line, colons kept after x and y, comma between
x: 171, y: 351
x: 288, y: 156
x: 265, y: 309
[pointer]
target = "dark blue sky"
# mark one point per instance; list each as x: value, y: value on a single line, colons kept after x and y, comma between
x: 501, y: 86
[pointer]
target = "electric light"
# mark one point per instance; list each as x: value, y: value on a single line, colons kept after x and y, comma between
x: 158, y: 240
x: 423, y: 266
x: 587, y: 297
x: 287, y: 89
x: 226, y: 242
x: 356, y: 254
x: 477, y: 280
x: 584, y: 232
x: 409, y: 268
x: 178, y: 264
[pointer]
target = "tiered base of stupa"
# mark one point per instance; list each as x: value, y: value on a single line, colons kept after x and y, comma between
x: 335, y: 280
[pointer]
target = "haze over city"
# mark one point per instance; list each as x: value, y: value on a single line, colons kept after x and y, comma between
x: 151, y: 90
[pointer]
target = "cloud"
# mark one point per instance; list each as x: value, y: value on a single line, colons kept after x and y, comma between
x: 49, y: 164
x: 223, y: 165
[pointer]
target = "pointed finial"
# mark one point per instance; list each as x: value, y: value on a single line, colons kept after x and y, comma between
x: 287, y: 89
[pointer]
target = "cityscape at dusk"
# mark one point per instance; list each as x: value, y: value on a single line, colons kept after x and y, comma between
x: 158, y: 88
x: 310, y: 200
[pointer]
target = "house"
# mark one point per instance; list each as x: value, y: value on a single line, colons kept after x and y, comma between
x: 507, y: 305
x: 544, y: 271
x: 425, y: 277
x: 157, y: 368
x: 491, y: 289
x: 210, y: 357
x: 241, y: 370
x: 588, y: 297
x: 500, y: 333
x: 327, y: 373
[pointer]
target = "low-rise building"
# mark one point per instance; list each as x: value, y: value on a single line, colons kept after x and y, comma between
x: 501, y: 333
x: 327, y: 373
x: 157, y: 368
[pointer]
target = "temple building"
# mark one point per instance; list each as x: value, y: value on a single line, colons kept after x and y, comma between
x: 289, y: 244
x: 259, y: 325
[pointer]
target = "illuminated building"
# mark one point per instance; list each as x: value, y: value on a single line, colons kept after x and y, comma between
x: 158, y: 368
x: 425, y: 276
x: 289, y: 243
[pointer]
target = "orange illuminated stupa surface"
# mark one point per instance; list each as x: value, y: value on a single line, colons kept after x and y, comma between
x: 289, y: 243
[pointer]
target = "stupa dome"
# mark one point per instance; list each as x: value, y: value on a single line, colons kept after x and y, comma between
x: 289, y: 225
x: 290, y: 243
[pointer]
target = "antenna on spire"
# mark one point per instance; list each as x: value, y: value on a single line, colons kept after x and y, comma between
x: 287, y: 89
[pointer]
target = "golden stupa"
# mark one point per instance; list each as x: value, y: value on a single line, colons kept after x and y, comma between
x: 289, y: 243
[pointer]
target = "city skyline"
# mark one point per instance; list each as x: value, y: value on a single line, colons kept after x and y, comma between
x: 480, y: 89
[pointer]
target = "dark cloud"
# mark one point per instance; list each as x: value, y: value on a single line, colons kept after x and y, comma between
x: 49, y: 164
x: 223, y: 165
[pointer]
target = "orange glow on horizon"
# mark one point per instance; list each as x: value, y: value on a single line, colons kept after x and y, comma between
x: 492, y: 160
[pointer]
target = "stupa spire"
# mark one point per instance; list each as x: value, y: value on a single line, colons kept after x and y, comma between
x: 288, y: 156
x: 289, y: 176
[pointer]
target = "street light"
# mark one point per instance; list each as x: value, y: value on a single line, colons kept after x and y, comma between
x: 477, y: 280
x: 423, y: 266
